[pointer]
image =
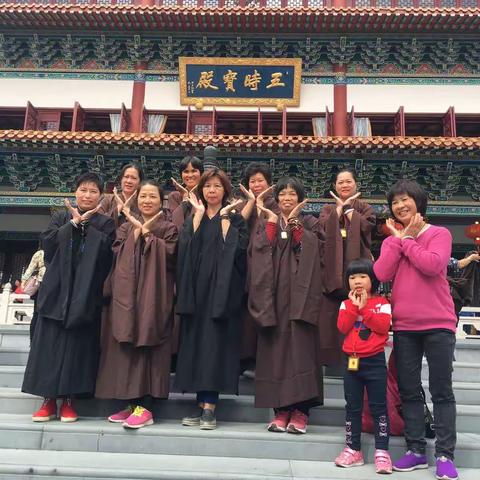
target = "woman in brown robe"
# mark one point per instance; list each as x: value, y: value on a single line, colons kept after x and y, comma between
x: 284, y: 299
x: 190, y: 169
x: 115, y: 205
x: 354, y: 220
x: 256, y: 183
x: 137, y: 329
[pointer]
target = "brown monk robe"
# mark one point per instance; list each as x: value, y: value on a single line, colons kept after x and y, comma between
x: 137, y: 329
x: 249, y: 337
x: 179, y: 209
x: 108, y: 207
x: 284, y: 299
x: 339, y: 252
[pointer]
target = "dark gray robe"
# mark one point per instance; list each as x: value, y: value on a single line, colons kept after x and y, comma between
x: 65, y: 347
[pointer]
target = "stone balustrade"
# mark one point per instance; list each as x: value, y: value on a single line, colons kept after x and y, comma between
x: 14, y: 308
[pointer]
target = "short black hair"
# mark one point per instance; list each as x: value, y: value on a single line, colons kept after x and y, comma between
x: 134, y: 165
x: 346, y: 170
x: 362, y: 265
x: 256, y: 167
x: 291, y: 182
x: 89, y: 177
x: 195, y: 161
x: 154, y: 183
x: 412, y: 189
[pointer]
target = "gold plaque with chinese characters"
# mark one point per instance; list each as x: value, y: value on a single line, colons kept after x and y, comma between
x: 240, y: 81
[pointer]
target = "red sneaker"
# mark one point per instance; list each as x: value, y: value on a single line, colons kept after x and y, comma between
x: 47, y: 412
x: 279, y: 423
x: 298, y: 422
x: 67, y: 412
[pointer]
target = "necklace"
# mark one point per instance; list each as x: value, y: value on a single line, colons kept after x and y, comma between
x: 283, y: 228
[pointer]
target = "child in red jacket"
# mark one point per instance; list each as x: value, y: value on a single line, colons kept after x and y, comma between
x: 364, y: 319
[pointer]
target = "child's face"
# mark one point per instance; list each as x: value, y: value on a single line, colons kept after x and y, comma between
x: 359, y: 282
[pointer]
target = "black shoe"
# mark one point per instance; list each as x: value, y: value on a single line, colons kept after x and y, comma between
x: 193, y: 420
x: 208, y: 420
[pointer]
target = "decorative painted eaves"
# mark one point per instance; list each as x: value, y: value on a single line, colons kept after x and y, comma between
x: 241, y: 19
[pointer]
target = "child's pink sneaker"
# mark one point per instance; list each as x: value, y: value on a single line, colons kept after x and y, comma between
x: 349, y: 458
x: 121, y: 416
x: 139, y: 418
x: 383, y: 462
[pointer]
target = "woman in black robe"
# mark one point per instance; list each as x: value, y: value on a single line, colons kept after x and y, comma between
x: 211, y: 281
x: 64, y: 355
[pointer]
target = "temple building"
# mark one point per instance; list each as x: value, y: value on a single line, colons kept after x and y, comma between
x: 390, y: 88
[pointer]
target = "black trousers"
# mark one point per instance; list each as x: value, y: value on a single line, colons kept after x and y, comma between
x: 438, y: 347
x: 371, y: 375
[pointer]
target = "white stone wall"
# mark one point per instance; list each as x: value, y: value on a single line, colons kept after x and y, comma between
x: 110, y: 94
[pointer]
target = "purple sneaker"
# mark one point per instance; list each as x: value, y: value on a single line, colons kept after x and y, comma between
x: 410, y: 461
x: 446, y: 469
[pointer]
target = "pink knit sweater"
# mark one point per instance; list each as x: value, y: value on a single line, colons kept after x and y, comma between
x: 421, y: 297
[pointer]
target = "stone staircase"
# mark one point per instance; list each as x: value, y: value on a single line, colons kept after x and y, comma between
x: 240, y: 448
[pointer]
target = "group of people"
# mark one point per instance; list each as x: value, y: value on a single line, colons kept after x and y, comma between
x: 134, y: 280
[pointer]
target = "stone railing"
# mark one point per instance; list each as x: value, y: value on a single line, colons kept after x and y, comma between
x: 469, y: 323
x: 263, y: 3
x: 14, y: 308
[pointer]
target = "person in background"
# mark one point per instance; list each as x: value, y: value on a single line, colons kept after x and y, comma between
x: 210, y: 286
x: 63, y: 359
x: 190, y: 169
x: 114, y: 205
x: 257, y: 188
x: 415, y: 259
x: 351, y: 239
x: 365, y: 320
x: 34, y: 273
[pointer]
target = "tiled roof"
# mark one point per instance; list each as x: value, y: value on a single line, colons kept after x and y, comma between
x: 145, y: 141
x: 241, y: 19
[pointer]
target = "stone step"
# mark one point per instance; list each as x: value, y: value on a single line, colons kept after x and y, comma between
x: 467, y: 393
x: 462, y: 372
x: 69, y: 465
x: 14, y: 336
x: 230, y: 439
x: 231, y: 409
x: 14, y: 355
x: 18, y: 336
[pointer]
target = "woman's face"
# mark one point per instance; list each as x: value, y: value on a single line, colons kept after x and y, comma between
x: 257, y: 184
x: 404, y: 208
x: 149, y: 201
x: 130, y: 181
x: 213, y: 191
x: 87, y: 196
x: 287, y: 200
x: 191, y: 176
x: 345, y: 185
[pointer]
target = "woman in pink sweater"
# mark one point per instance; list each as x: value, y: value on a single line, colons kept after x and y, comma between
x: 415, y: 259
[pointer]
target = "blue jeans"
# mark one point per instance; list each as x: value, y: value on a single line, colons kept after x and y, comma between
x: 438, y: 347
x: 207, y: 397
x: 371, y: 375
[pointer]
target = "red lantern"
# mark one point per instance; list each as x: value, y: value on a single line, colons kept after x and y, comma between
x: 386, y: 232
x: 473, y: 232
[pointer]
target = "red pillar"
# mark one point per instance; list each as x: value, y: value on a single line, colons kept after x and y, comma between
x: 340, y: 123
x: 138, y: 99
x: 340, y: 126
x: 147, y: 3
